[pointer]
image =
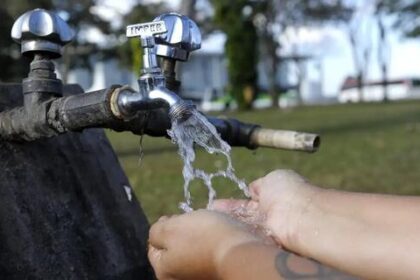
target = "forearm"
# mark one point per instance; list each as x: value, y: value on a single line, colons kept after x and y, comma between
x: 373, y: 236
x: 249, y: 261
x: 257, y: 261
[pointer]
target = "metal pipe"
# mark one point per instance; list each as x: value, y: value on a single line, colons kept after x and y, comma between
x: 252, y: 136
x: 123, y: 109
x: 168, y: 66
x: 149, y: 54
x: 76, y: 112
x: 126, y: 103
x: 285, y: 139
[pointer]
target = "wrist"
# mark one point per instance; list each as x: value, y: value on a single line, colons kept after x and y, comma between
x: 297, y: 215
x: 246, y: 261
x: 227, y: 243
x: 311, y: 222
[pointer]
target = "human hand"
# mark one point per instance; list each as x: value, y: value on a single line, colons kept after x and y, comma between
x: 279, y: 201
x: 193, y: 245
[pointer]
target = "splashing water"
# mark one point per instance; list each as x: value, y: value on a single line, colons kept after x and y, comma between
x: 198, y: 130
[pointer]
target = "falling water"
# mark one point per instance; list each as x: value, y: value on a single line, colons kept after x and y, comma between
x: 198, y: 130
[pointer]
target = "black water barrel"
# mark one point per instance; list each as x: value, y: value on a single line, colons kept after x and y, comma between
x: 67, y: 210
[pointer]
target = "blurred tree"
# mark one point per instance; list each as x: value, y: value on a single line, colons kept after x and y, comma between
x: 379, y: 11
x: 187, y: 7
x: 83, y: 18
x: 235, y: 18
x: 265, y: 20
x: 273, y: 17
x: 130, y: 54
x: 383, y: 46
x: 360, y: 37
x: 406, y: 14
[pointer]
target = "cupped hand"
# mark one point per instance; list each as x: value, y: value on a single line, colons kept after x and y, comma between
x: 278, y: 203
x: 192, y: 245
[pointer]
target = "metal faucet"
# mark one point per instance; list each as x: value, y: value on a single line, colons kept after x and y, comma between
x: 182, y: 38
x: 152, y: 86
x: 42, y: 35
x: 47, y: 111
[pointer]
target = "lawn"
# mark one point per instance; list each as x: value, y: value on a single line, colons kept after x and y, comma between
x: 365, y: 147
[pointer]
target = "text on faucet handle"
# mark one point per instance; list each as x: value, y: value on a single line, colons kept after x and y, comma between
x: 146, y: 29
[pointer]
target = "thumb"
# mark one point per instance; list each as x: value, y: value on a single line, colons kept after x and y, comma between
x: 155, y: 256
x: 255, y: 189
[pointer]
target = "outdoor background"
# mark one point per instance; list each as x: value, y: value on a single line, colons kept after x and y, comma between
x: 347, y: 70
x: 368, y: 148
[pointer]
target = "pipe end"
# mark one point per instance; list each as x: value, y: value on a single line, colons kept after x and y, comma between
x: 181, y: 111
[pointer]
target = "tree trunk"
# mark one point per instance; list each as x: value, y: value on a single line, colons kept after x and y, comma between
x: 357, y: 64
x: 270, y: 46
x: 273, y: 61
x: 300, y: 75
x: 360, y: 85
x: 383, y: 56
x: 385, y: 82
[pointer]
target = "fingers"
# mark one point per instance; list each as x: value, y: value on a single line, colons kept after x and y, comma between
x: 163, y: 218
x: 277, y: 178
x: 156, y: 258
x: 158, y: 233
x: 228, y: 205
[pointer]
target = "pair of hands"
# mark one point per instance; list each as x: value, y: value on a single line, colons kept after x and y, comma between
x: 194, y: 245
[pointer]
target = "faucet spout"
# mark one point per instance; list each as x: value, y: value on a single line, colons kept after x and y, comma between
x: 167, y: 96
x: 126, y: 103
x: 179, y: 109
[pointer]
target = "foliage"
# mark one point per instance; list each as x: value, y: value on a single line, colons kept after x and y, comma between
x: 383, y: 46
x: 130, y: 54
x: 273, y: 17
x: 241, y: 47
x: 406, y: 13
x: 77, y: 13
x: 321, y: 11
x: 81, y: 16
x: 248, y: 22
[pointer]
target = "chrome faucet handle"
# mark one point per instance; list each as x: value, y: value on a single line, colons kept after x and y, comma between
x: 146, y: 33
x: 41, y: 31
x: 152, y: 82
x: 183, y: 37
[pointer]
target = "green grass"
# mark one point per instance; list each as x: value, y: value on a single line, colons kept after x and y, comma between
x: 365, y: 147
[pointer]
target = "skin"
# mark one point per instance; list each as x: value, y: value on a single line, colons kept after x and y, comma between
x: 371, y: 236
x: 210, y: 245
x: 193, y: 245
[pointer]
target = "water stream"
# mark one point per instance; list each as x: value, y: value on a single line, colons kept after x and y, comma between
x: 197, y: 130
